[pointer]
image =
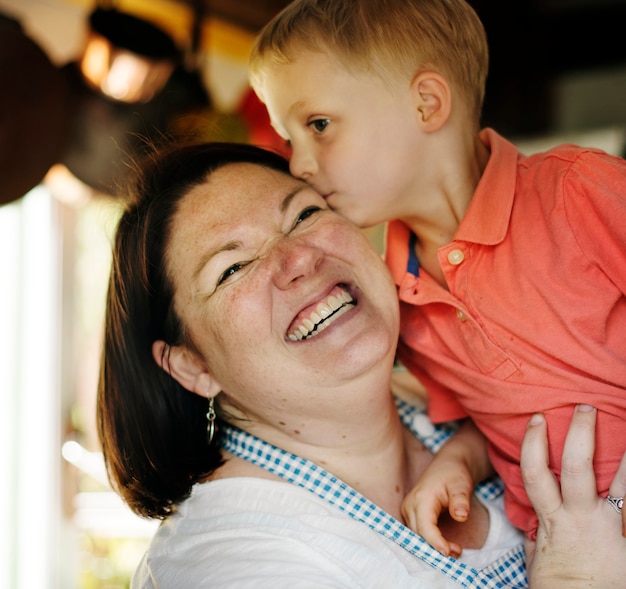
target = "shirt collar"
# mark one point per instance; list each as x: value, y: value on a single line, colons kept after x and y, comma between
x: 487, y: 217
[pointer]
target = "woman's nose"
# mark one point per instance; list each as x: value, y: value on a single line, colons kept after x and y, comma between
x: 295, y: 260
x: 302, y: 163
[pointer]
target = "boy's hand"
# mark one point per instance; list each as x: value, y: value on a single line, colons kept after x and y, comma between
x: 446, y: 483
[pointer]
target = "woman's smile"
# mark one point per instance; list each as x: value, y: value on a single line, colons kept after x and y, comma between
x: 311, y: 322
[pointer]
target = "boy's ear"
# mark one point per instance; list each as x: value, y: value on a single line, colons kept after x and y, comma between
x: 186, y: 368
x: 432, y: 98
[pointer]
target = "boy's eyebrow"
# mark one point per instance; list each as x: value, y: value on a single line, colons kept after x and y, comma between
x: 295, y: 106
x: 233, y: 245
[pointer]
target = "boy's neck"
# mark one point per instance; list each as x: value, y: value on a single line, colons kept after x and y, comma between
x: 450, y: 201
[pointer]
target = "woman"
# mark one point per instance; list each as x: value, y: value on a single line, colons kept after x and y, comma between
x: 250, y: 337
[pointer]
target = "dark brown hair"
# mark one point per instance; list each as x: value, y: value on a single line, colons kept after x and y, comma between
x: 152, y: 430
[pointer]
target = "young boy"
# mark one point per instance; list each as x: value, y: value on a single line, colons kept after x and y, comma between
x: 511, y: 270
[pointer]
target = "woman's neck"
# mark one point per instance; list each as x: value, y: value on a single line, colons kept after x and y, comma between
x: 386, y: 473
x: 378, y: 457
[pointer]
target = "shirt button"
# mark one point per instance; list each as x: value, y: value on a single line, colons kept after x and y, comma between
x: 455, y: 257
x: 462, y: 316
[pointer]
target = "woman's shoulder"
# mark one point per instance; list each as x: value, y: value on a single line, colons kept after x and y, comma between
x: 235, y: 492
x: 231, y: 521
x: 236, y: 531
x: 248, y: 504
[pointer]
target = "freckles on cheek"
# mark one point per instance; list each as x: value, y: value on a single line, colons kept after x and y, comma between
x: 346, y: 237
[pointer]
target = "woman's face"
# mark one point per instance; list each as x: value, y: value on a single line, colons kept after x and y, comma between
x: 284, y: 299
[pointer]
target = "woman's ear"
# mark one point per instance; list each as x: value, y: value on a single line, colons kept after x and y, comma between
x: 186, y: 368
x: 432, y: 99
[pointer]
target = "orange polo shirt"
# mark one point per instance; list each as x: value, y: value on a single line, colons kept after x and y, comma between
x: 535, y: 316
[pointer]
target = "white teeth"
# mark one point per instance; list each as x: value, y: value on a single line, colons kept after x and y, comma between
x: 324, y: 311
x: 325, y: 314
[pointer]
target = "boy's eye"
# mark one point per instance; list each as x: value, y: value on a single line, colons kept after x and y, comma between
x: 319, y: 125
x: 230, y: 271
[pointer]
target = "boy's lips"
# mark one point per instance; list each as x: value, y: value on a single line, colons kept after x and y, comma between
x: 331, y: 200
x: 317, y: 318
x: 324, y: 192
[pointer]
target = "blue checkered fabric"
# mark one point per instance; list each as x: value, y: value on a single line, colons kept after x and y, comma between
x: 435, y: 436
x: 508, y: 571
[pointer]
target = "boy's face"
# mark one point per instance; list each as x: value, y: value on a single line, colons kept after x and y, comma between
x: 354, y: 136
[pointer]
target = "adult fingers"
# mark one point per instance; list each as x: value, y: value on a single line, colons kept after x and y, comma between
x: 578, y: 480
x: 618, y: 489
x: 541, y: 485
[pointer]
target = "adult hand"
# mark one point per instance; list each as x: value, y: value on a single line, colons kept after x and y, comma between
x: 580, y: 541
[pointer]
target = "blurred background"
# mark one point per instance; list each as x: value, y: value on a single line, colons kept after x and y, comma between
x: 87, y: 85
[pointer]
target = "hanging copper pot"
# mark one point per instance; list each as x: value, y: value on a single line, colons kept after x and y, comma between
x: 126, y: 58
x: 127, y: 88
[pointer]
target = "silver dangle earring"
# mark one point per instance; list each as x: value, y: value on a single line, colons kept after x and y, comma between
x: 211, y: 419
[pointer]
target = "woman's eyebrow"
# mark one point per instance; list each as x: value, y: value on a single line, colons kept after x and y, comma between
x: 207, y: 256
x: 290, y: 196
x: 233, y: 245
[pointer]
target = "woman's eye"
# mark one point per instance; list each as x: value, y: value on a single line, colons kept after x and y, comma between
x: 306, y: 213
x: 319, y: 125
x: 230, y: 271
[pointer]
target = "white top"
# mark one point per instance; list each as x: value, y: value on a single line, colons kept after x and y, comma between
x: 257, y: 533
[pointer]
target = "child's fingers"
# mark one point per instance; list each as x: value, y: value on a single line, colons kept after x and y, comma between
x: 455, y: 550
x: 422, y: 517
x: 432, y: 534
x: 459, y: 507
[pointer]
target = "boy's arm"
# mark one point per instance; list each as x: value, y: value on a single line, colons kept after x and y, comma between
x: 448, y: 482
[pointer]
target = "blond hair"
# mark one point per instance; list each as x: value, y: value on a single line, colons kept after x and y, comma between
x: 389, y: 37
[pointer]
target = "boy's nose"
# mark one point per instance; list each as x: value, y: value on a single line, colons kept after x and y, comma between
x: 295, y: 260
x: 302, y: 164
